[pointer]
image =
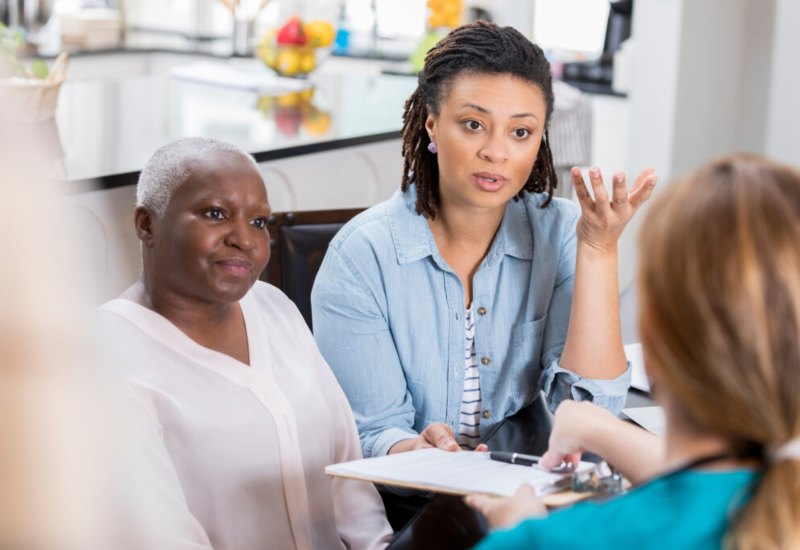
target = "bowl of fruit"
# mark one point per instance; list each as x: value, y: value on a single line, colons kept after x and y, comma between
x: 296, y: 48
x: 294, y: 111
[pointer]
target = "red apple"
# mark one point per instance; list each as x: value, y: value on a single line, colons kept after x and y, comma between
x: 292, y: 32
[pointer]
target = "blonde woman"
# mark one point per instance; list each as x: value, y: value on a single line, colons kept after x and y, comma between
x: 720, y: 324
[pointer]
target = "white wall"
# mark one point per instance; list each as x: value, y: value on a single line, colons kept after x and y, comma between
x: 710, y: 77
x: 782, y: 139
x: 652, y: 99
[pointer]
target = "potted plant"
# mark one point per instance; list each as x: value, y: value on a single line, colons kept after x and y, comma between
x: 30, y: 91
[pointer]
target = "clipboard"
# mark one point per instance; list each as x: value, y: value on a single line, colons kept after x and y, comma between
x: 458, y: 473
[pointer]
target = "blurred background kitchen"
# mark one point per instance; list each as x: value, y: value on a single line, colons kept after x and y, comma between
x: 663, y: 83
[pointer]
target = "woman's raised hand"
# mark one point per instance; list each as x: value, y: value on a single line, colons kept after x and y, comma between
x: 603, y: 219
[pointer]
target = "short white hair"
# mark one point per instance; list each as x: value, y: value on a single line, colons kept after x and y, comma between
x: 172, y: 165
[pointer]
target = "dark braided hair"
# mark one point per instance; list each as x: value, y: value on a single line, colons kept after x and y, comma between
x: 476, y: 48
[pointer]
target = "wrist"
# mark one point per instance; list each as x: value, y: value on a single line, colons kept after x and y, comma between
x: 595, y: 429
x: 403, y: 445
x: 598, y: 252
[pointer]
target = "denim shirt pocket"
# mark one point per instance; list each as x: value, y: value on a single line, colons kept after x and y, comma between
x: 526, y: 358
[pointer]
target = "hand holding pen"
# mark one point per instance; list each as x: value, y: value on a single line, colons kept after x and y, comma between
x: 522, y: 459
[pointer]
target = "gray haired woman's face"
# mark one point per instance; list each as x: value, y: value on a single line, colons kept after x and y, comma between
x: 212, y: 243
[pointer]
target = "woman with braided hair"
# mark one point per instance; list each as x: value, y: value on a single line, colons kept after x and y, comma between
x: 450, y: 306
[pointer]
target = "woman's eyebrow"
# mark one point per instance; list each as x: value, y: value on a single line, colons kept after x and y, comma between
x: 486, y: 111
x: 476, y: 107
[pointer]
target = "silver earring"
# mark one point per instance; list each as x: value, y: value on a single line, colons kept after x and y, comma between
x: 433, y: 148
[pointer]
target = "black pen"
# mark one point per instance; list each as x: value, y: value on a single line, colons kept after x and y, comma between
x: 515, y: 458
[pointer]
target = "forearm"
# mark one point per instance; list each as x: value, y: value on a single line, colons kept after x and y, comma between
x: 593, y: 347
x: 404, y: 445
x: 636, y: 453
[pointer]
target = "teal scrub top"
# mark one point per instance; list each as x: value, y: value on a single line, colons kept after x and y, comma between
x: 689, y: 509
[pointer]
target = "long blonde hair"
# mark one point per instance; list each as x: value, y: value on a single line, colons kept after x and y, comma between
x: 720, y: 290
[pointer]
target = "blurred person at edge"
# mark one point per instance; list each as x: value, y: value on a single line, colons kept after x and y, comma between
x: 719, y: 317
x: 50, y: 495
x: 239, y: 412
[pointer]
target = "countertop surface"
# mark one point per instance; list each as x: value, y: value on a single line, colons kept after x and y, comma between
x: 116, y: 109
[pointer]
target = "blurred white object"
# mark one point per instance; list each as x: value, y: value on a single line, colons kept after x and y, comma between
x: 621, y: 79
x: 638, y: 376
x: 221, y: 74
x: 91, y: 28
x: 650, y: 418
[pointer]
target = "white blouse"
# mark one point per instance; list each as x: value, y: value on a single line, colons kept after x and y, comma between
x: 240, y: 452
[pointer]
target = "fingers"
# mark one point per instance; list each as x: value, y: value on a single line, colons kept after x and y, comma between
x: 640, y: 192
x: 553, y: 459
x: 481, y: 503
x: 580, y: 187
x: 619, y: 192
x: 643, y: 175
x: 524, y: 493
x: 440, y: 436
x: 482, y: 448
x: 645, y: 184
x: 598, y: 187
x: 504, y: 512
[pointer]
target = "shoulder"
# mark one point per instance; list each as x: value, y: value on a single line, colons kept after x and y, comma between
x: 560, y: 212
x: 388, y: 234
x: 372, y: 225
x: 272, y: 300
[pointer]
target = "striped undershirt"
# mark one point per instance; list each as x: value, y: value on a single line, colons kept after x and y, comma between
x: 470, y: 418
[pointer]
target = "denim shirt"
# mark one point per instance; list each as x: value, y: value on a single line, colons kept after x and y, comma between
x: 388, y: 316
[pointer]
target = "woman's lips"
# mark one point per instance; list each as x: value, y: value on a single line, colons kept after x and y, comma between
x: 489, y: 181
x: 238, y: 268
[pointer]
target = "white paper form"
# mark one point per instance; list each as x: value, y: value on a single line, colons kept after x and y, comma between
x: 460, y: 473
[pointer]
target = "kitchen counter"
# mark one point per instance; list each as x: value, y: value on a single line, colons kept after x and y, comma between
x: 332, y: 146
x: 116, y: 109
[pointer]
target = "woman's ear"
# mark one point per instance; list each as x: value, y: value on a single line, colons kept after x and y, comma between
x: 430, y: 126
x: 143, y: 222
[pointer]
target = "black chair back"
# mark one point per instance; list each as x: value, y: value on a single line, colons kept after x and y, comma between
x: 299, y: 241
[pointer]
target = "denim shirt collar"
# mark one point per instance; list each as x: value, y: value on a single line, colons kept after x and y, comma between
x: 413, y: 239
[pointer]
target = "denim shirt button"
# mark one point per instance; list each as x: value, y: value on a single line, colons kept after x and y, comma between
x: 481, y: 311
x: 485, y: 360
x: 486, y: 414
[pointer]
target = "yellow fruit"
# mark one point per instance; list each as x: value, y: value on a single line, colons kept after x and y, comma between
x: 319, y: 33
x: 288, y: 61
x: 317, y: 123
x: 306, y: 95
x: 292, y: 99
x: 436, y: 20
x: 444, y: 13
x: 308, y: 61
x: 265, y: 103
x: 269, y: 37
x: 269, y: 55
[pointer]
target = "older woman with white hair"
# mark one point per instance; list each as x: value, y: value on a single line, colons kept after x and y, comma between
x: 244, y: 413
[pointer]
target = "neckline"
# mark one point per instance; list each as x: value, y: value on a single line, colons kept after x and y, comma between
x: 692, y: 465
x: 165, y: 331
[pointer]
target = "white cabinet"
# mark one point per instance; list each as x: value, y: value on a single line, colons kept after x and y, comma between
x: 350, y: 177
